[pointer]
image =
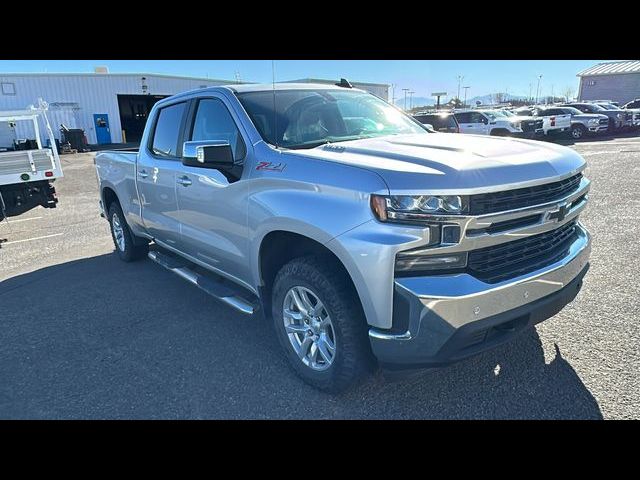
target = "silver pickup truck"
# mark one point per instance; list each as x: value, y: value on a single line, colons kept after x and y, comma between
x: 365, y: 238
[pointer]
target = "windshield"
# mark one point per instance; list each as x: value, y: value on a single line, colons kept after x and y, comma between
x: 491, y: 114
x: 571, y: 110
x: 609, y: 106
x: 308, y: 118
x: 596, y: 107
x: 506, y: 113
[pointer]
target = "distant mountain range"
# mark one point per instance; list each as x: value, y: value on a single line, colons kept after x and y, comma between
x: 427, y: 101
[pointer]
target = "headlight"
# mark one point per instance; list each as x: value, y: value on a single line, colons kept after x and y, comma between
x: 420, y: 260
x: 619, y: 115
x: 516, y: 125
x: 594, y: 121
x: 416, y: 208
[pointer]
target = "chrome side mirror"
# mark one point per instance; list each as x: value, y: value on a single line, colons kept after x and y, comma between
x: 207, y: 154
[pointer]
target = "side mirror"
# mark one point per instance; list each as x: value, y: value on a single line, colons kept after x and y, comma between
x: 428, y: 126
x: 207, y: 154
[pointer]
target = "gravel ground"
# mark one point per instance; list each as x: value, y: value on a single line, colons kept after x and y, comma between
x: 83, y: 335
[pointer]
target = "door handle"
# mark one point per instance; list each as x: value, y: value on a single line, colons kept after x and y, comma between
x: 143, y: 174
x: 184, y: 181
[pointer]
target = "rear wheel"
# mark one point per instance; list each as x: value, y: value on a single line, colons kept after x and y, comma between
x: 320, y: 324
x: 128, y: 247
x: 577, y: 131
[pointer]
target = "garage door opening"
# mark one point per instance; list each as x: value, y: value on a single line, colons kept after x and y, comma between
x: 134, y: 111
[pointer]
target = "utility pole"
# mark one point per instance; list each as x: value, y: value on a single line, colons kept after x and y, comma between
x: 460, y: 78
x: 411, y: 99
x: 538, y: 88
x: 405, y: 90
x: 393, y: 94
x: 529, y: 99
x: 465, y: 96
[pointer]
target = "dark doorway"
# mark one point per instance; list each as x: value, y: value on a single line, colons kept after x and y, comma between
x: 134, y: 111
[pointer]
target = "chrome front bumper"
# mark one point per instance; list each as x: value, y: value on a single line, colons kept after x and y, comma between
x: 455, y: 316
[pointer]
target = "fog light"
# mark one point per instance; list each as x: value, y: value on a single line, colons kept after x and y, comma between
x: 419, y: 259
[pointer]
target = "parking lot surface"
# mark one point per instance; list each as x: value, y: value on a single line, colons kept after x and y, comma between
x: 84, y: 335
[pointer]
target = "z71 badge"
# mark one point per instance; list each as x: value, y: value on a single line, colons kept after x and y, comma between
x: 274, y: 167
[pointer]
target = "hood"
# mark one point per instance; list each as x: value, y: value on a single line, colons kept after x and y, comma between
x: 525, y: 118
x: 445, y: 163
x: 589, y: 116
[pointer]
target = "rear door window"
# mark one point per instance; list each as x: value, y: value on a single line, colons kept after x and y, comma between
x: 166, y: 132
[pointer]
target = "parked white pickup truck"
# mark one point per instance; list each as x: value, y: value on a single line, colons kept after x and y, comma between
x: 27, y: 171
x: 496, y: 123
x: 555, y: 122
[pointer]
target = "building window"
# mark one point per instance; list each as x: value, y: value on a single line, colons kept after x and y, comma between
x: 591, y: 83
x: 8, y: 88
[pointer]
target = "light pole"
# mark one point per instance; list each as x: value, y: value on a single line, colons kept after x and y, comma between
x: 405, y: 90
x: 465, y: 96
x: 393, y: 94
x: 538, y: 88
x: 411, y: 99
x: 460, y: 78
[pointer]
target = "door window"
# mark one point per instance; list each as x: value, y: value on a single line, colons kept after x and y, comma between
x: 167, y: 130
x: 214, y: 122
x: 464, y: 117
x: 477, y: 117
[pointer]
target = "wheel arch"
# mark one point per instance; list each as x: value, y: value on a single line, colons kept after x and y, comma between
x: 279, y: 247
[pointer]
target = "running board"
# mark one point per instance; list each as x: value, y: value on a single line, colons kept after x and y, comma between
x: 216, y: 289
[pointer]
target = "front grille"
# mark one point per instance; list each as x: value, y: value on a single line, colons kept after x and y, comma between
x: 604, y: 121
x: 628, y: 116
x: 522, y: 197
x: 508, y: 260
x: 531, y: 126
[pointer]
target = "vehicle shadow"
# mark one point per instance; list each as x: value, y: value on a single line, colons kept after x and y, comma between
x: 512, y: 381
x: 99, y: 338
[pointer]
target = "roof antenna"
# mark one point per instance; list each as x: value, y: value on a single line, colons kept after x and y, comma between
x: 275, y: 112
x: 344, y: 83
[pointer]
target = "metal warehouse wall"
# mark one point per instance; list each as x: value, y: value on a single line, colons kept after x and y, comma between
x: 619, y: 88
x: 93, y: 93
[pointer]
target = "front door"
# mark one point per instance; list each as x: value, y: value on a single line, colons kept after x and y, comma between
x: 212, y: 203
x: 157, y: 170
x: 101, y: 124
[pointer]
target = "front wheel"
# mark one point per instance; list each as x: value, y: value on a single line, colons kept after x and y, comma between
x: 128, y: 247
x: 577, y: 132
x: 320, y: 324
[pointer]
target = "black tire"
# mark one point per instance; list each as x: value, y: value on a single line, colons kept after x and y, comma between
x: 500, y: 132
x: 578, y: 131
x: 134, y: 248
x: 353, y: 357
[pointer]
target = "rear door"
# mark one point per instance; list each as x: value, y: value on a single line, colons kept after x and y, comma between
x: 158, y: 163
x: 212, y: 202
x: 472, y: 122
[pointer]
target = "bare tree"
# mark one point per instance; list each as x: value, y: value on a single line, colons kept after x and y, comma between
x: 499, y: 97
x: 567, y: 92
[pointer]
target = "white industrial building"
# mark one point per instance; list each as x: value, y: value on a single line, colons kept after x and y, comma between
x: 109, y: 107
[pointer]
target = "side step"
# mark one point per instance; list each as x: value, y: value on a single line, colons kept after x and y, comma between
x: 216, y: 288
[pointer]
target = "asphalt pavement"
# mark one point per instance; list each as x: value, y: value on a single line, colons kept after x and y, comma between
x: 83, y: 335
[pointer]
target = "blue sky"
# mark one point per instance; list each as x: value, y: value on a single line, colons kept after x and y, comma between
x: 422, y: 76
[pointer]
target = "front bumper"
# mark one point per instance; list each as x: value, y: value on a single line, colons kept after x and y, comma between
x: 531, y: 135
x: 451, y: 317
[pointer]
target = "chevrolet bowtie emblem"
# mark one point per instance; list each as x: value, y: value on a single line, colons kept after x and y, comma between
x: 559, y: 214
